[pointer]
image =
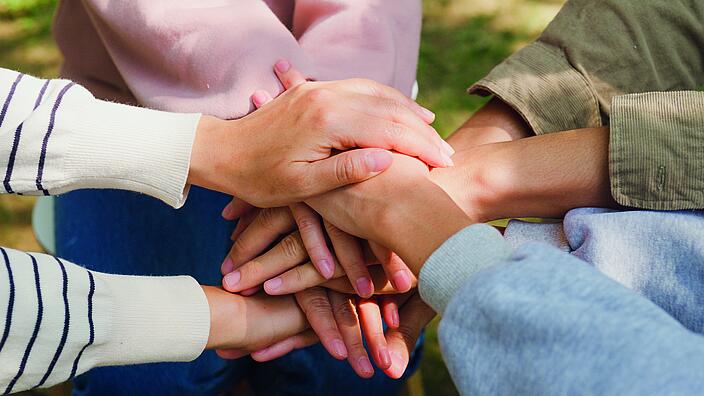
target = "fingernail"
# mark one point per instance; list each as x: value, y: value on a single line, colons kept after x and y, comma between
x: 326, y: 268
x: 227, y: 211
x: 446, y: 160
x: 365, y: 287
x: 428, y: 114
x: 448, y: 147
x: 378, y: 161
x: 401, y: 281
x: 282, y: 66
x: 340, y: 349
x: 365, y: 365
x: 384, y: 357
x: 227, y: 266
x: 273, y: 284
x: 232, y: 279
x: 259, y: 98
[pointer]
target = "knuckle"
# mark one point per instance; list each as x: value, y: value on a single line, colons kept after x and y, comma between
x: 317, y: 95
x: 308, y: 223
x: 292, y: 246
x: 318, y: 305
x: 268, y: 217
x: 347, y: 169
x: 239, y: 247
x: 252, y: 271
x: 395, y: 132
x: 346, y: 315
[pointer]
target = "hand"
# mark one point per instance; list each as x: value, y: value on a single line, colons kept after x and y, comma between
x: 340, y: 322
x: 401, y: 209
x: 282, y: 153
x: 259, y: 320
x: 249, y: 264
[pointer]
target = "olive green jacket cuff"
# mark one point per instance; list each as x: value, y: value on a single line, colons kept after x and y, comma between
x: 656, y: 148
x: 542, y: 86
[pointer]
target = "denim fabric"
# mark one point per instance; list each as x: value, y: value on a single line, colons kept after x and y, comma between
x: 127, y: 233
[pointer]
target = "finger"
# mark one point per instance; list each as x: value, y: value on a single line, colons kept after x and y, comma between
x: 315, y: 304
x: 381, y: 283
x: 389, y: 308
x: 281, y: 348
x: 373, y: 327
x: 393, y: 110
x: 349, y: 254
x: 286, y: 254
x: 374, y: 88
x: 345, y: 314
x: 391, y: 135
x: 267, y: 227
x: 244, y: 221
x: 415, y: 315
x: 260, y: 98
x: 396, y: 270
x: 288, y: 75
x: 235, y: 209
x: 311, y: 230
x: 231, y: 354
x: 251, y: 291
x: 299, y: 278
x: 349, y: 167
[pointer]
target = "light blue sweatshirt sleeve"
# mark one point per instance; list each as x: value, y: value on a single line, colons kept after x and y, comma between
x: 542, y: 322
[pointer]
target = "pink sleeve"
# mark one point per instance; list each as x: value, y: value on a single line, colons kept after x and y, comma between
x: 376, y: 39
x: 209, y: 56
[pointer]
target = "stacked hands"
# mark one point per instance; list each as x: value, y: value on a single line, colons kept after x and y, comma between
x: 326, y: 206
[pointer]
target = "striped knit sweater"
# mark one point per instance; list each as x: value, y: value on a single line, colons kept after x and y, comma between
x: 57, y: 319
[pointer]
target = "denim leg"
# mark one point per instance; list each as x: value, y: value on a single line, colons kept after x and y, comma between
x: 127, y: 233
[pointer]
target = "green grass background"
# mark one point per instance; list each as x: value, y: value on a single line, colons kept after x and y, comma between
x: 461, y: 41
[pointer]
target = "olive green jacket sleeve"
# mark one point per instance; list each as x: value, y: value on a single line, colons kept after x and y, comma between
x: 592, y: 66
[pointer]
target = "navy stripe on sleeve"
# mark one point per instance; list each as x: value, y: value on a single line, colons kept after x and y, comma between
x: 37, y: 326
x: 11, y: 300
x: 6, y: 105
x: 16, y: 142
x: 90, y: 324
x: 50, y: 129
x: 64, y: 335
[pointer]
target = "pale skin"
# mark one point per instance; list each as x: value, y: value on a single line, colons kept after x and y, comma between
x: 571, y: 171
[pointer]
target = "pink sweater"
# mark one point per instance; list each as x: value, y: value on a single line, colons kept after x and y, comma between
x: 209, y: 56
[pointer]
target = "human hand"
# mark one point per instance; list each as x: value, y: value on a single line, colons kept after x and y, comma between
x: 282, y: 270
x: 260, y: 320
x: 282, y: 153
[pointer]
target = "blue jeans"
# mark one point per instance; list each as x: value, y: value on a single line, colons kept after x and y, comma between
x: 127, y: 233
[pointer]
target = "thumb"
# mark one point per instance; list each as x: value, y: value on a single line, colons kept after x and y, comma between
x: 349, y: 167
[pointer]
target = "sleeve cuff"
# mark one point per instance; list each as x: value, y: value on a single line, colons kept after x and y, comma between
x: 655, y: 150
x: 474, y: 248
x: 149, y: 319
x: 117, y: 146
x: 542, y: 86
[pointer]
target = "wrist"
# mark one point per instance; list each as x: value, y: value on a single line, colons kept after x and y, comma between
x: 417, y: 225
x: 224, y: 331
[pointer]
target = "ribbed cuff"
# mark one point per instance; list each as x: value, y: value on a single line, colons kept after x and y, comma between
x: 148, y: 319
x: 655, y: 150
x: 541, y: 85
x: 124, y: 147
x: 474, y: 248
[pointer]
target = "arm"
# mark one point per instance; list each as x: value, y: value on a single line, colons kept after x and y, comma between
x: 170, y: 60
x: 57, y: 137
x: 569, y: 79
x: 60, y: 320
x: 551, y: 310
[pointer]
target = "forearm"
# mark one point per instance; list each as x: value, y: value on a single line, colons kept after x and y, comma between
x: 57, y: 137
x: 68, y: 320
x: 541, y: 176
x: 550, y: 310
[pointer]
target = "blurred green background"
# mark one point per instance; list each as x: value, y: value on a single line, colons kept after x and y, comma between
x: 462, y: 40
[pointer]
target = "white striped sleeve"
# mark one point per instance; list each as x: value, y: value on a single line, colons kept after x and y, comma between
x: 56, y: 137
x: 58, y: 320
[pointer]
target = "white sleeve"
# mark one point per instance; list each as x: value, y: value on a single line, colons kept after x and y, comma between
x: 56, y: 137
x: 58, y: 320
